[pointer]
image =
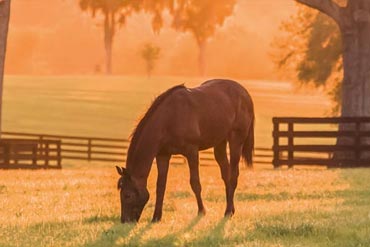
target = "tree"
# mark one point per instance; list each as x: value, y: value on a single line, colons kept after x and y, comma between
x: 150, y: 54
x: 347, y: 48
x: 201, y: 18
x: 4, y: 25
x: 115, y: 13
x: 353, y: 20
x: 310, y: 46
x: 156, y: 8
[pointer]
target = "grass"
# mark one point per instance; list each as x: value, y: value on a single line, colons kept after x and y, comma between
x: 80, y: 207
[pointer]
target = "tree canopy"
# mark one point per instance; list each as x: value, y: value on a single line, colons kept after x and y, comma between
x: 201, y: 18
x: 310, y: 48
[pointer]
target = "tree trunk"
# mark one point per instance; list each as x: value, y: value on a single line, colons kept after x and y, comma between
x: 355, y: 29
x: 202, y: 57
x: 109, y: 31
x: 4, y: 25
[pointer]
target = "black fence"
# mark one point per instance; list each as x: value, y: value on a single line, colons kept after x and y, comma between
x: 332, y: 142
x: 111, y: 149
x: 31, y: 154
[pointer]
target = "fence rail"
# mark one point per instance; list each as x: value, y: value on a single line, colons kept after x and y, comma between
x: 114, y: 149
x: 351, y: 153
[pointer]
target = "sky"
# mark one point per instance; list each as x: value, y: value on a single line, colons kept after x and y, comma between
x: 57, y: 38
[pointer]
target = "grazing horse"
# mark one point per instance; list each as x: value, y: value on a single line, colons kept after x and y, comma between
x: 184, y: 121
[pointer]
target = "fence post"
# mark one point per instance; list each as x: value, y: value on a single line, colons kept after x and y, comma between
x: 275, y: 147
x: 7, y: 154
x: 46, y: 154
x: 290, y: 144
x: 357, y: 143
x: 14, y: 153
x: 59, y: 154
x: 41, y: 138
x: 34, y: 154
x: 89, y: 149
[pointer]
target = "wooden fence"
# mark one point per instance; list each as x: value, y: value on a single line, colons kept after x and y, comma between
x: 114, y: 149
x: 32, y: 154
x: 305, y: 146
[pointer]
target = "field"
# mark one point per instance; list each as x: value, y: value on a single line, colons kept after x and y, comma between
x: 79, y: 205
x: 111, y: 106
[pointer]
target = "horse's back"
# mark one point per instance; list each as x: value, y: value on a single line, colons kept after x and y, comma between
x: 206, y: 114
x: 223, y: 84
x: 230, y: 91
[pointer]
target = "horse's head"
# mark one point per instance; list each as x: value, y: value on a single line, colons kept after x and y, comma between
x: 133, y: 198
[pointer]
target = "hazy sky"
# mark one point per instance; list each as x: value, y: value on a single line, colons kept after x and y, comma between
x: 55, y: 37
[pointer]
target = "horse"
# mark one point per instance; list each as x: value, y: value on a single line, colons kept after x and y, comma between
x: 185, y: 121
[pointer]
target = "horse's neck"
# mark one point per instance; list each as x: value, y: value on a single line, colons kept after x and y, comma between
x: 140, y: 160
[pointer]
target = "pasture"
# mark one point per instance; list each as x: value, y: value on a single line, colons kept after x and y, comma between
x: 111, y: 106
x: 79, y: 205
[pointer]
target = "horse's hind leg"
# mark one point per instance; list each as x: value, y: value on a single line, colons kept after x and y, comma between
x: 236, y: 145
x: 162, y: 165
x: 223, y: 162
x: 193, y: 161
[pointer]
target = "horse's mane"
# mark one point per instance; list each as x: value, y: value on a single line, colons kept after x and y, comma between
x: 140, y: 126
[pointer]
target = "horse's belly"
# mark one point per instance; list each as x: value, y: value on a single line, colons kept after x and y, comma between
x: 211, y: 141
x: 181, y: 145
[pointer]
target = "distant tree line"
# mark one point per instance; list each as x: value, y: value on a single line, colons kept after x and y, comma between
x: 199, y: 17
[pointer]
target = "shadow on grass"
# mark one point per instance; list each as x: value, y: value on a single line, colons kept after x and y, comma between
x: 173, y: 238
x: 132, y: 232
x: 215, y: 236
x: 110, y: 236
x: 208, y: 238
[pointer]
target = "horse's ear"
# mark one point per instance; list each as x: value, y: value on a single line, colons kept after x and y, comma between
x: 126, y: 173
x: 120, y: 170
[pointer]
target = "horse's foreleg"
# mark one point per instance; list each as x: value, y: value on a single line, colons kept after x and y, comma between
x: 193, y: 160
x: 223, y: 162
x: 235, y: 154
x: 162, y: 166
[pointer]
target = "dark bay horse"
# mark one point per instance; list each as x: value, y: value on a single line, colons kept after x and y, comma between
x: 185, y: 121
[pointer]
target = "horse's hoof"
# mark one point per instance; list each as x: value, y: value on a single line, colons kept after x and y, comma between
x: 156, y: 219
x: 202, y: 212
x: 229, y: 213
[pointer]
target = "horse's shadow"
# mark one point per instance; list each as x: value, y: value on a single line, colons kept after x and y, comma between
x: 173, y: 239
x: 132, y: 234
x: 216, y: 234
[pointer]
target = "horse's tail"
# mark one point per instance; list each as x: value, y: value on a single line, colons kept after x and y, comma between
x: 248, y: 147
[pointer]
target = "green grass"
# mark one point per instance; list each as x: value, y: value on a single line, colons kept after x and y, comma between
x: 80, y: 207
